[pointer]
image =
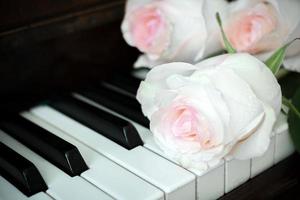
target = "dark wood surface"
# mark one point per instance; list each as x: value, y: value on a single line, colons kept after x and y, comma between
x: 62, y: 64
x: 18, y: 14
x: 77, y: 43
x: 40, y: 27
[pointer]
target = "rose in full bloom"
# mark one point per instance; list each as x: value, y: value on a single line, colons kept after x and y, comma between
x: 260, y: 27
x: 222, y: 106
x: 172, y: 30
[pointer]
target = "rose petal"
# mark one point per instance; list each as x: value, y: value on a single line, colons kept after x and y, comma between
x: 243, y: 105
x: 125, y: 26
x: 189, y: 32
x: 257, y: 144
x: 292, y: 63
x: 189, y: 39
x: 288, y: 17
x: 145, y: 61
x: 211, y: 62
x: 176, y: 81
x: 203, y: 99
x: 258, y: 76
x: 289, y: 12
x: 250, y: 29
x: 158, y: 75
x: 294, y: 48
x: 146, y: 96
x: 149, y: 91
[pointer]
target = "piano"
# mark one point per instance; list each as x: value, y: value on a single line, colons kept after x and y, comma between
x: 70, y: 127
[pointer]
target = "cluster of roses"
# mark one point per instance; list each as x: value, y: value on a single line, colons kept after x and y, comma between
x: 186, y: 31
x: 201, y: 112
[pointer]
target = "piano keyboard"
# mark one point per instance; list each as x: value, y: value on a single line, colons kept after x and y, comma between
x: 96, y: 145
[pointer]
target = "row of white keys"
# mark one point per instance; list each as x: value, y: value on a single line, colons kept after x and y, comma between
x: 229, y: 174
x: 260, y: 164
x: 10, y: 192
x: 176, y: 182
x: 60, y: 185
x: 279, y: 148
x: 223, y: 177
x: 210, y: 184
x: 102, y: 172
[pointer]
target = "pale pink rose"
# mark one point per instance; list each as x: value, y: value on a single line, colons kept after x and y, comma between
x: 247, y: 30
x: 172, y: 30
x: 222, y: 106
x: 260, y: 27
x: 150, y: 30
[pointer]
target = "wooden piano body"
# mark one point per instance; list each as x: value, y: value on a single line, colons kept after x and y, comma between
x: 55, y: 46
x: 49, y: 48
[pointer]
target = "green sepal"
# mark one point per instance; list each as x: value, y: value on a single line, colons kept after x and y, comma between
x: 227, y: 44
x: 294, y: 118
x: 276, y: 59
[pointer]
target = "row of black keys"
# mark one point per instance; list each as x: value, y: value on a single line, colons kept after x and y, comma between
x: 25, y: 176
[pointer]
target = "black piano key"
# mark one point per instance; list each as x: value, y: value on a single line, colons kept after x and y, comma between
x: 20, y: 172
x: 54, y: 149
x: 118, y: 102
x: 126, y: 82
x: 116, y: 129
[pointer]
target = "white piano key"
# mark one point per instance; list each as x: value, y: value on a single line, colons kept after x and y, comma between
x: 176, y: 182
x: 60, y: 185
x: 284, y: 146
x: 203, y: 191
x: 105, y: 174
x: 237, y: 172
x: 10, y: 192
x: 260, y: 164
x: 281, y: 124
x: 210, y: 184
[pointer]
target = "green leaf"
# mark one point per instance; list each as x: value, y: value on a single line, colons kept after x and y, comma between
x: 276, y: 59
x: 227, y: 44
x: 294, y: 120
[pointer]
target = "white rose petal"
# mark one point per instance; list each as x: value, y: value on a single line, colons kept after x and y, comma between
x: 257, y: 144
x: 258, y: 76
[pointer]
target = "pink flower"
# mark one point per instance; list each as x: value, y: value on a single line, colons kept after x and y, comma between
x: 260, y: 27
x: 150, y: 30
x: 248, y: 31
x: 172, y: 30
x: 187, y: 125
x: 225, y: 105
